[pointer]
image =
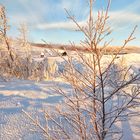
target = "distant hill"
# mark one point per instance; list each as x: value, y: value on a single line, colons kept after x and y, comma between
x: 108, y: 50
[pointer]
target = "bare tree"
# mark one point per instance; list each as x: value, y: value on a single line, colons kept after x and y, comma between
x: 16, y: 60
x: 101, y: 94
x: 3, y: 30
x: 22, y: 39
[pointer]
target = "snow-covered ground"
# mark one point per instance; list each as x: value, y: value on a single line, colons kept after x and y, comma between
x: 34, y: 97
x: 30, y: 96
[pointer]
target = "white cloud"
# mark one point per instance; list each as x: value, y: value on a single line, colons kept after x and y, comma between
x: 69, y: 4
x: 134, y: 6
x: 117, y: 19
x: 128, y: 15
x: 121, y: 18
x: 37, y: 10
x: 61, y: 25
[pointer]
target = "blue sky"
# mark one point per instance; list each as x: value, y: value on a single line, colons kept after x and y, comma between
x: 47, y: 19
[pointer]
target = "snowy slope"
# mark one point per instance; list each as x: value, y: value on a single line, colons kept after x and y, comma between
x: 34, y: 97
